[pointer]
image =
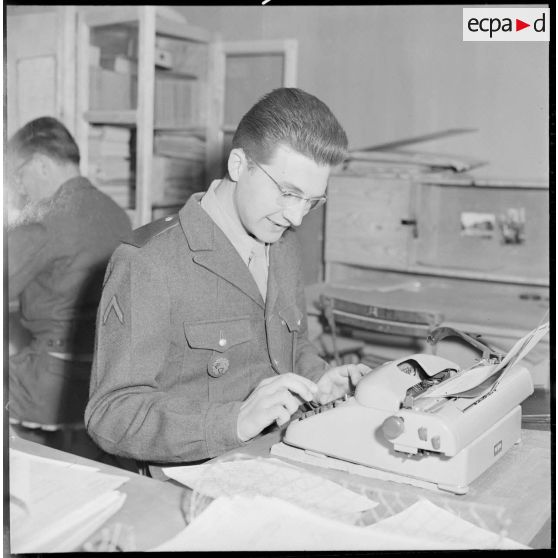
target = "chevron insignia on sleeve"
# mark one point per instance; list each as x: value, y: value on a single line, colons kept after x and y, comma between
x: 113, y: 305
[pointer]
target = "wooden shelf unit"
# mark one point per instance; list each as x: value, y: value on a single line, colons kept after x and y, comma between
x: 148, y: 24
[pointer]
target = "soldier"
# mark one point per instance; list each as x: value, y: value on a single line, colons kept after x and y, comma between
x: 202, y: 332
x: 58, y: 244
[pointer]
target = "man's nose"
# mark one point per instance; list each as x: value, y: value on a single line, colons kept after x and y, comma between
x: 296, y: 213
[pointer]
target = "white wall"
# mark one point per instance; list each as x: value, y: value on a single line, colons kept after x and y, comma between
x: 390, y: 72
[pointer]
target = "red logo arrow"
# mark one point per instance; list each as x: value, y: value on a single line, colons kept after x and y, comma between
x: 519, y: 25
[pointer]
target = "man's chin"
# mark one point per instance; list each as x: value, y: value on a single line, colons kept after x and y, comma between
x: 269, y: 237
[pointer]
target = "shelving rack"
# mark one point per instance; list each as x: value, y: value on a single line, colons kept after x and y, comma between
x: 149, y: 24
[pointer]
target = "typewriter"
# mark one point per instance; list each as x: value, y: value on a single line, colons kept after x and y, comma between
x: 423, y: 418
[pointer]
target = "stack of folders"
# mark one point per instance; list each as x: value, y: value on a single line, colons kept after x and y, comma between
x: 178, y: 166
x: 110, y: 164
x: 55, y: 506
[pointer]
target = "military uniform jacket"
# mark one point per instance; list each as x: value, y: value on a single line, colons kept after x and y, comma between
x: 56, y: 265
x: 184, y: 336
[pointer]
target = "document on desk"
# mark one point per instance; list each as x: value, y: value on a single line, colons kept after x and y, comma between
x: 459, y: 385
x: 55, y: 505
x: 274, y: 478
x: 261, y: 523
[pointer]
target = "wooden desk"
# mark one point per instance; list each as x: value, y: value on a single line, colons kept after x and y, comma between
x: 520, y: 482
x: 151, y: 507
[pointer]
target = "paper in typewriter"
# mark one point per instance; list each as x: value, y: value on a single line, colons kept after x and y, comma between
x: 467, y: 381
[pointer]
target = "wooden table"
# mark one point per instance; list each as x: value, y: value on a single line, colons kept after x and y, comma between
x: 520, y: 482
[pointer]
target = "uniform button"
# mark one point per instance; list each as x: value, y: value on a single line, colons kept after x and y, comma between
x: 276, y: 362
x: 168, y: 218
x: 298, y: 322
x: 282, y: 322
x: 222, y: 342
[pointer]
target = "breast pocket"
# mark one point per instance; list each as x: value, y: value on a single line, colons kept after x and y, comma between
x: 220, y: 346
x: 290, y: 324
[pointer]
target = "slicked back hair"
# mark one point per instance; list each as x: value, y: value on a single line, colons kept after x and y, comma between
x: 47, y: 136
x: 294, y: 118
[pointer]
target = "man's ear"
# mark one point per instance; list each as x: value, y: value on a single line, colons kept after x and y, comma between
x: 42, y: 164
x: 236, y: 163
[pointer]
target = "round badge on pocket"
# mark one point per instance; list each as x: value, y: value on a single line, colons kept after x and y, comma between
x: 218, y: 367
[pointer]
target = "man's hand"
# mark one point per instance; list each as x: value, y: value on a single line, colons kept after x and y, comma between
x: 337, y: 381
x: 273, y: 399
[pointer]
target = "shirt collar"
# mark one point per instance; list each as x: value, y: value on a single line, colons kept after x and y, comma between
x: 244, y: 244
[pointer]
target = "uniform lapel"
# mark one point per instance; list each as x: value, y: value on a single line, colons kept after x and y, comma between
x: 275, y: 296
x: 213, y: 250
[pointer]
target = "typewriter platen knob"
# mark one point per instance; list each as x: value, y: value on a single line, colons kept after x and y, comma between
x: 393, y: 427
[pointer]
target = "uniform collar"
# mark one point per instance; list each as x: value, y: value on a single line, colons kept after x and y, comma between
x: 197, y: 225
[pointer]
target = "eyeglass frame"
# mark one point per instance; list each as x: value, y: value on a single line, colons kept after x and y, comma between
x: 285, y: 193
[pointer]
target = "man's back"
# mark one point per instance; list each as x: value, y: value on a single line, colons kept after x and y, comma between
x: 63, y: 280
x: 56, y: 264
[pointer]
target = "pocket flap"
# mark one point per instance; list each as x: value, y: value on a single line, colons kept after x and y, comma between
x: 292, y: 316
x: 218, y: 335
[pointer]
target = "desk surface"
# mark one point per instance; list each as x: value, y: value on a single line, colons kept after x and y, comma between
x: 520, y: 482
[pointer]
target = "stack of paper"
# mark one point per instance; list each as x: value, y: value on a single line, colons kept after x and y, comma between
x: 110, y: 162
x: 55, y: 506
x: 178, y: 166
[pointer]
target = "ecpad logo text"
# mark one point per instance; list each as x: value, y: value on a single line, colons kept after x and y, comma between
x: 506, y: 24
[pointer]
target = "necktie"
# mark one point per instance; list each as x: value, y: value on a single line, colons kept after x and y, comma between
x: 257, y: 264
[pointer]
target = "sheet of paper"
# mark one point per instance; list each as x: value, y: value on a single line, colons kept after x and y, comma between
x: 424, y: 521
x: 476, y: 376
x: 85, y: 523
x: 49, y: 498
x: 261, y: 523
x: 275, y: 478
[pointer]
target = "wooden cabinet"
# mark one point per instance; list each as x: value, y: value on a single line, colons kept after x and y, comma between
x: 364, y: 222
x: 474, y: 252
x: 160, y: 88
x: 447, y: 225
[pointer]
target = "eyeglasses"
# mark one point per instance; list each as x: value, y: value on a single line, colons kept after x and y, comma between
x: 288, y: 198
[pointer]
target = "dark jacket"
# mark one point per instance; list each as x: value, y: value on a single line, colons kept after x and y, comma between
x: 55, y: 268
